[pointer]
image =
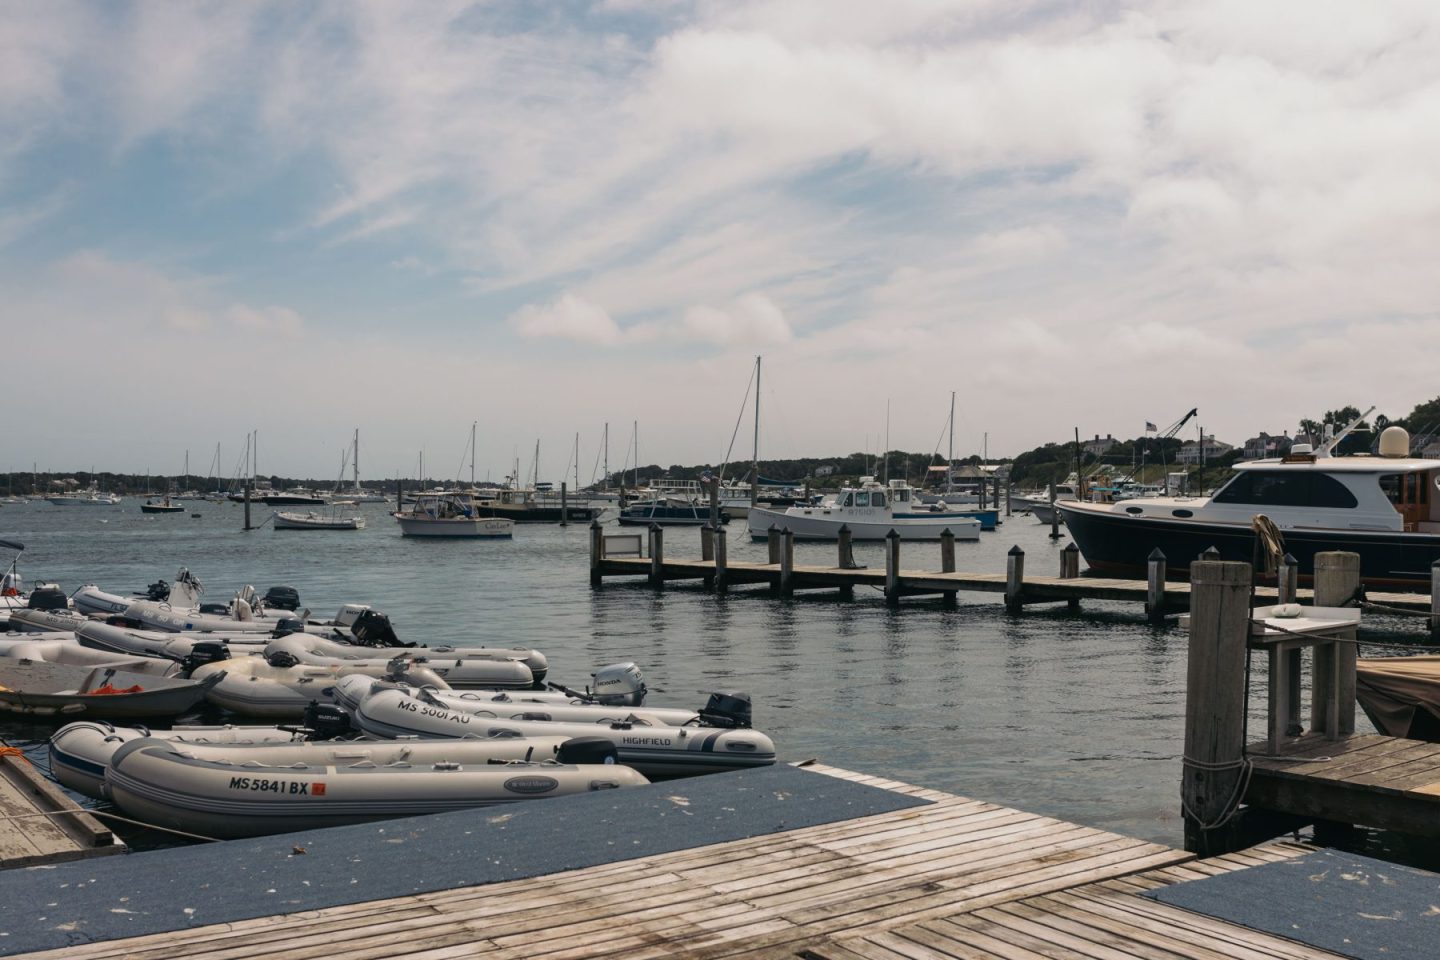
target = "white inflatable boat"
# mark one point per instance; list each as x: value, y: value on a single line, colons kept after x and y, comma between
x: 65, y: 648
x: 45, y: 621
x: 169, y: 785
x: 276, y: 689
x: 456, y: 672
x: 79, y: 752
x: 656, y: 751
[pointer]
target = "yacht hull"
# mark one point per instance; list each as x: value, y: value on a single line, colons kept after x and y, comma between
x: 818, y: 524
x: 1119, y: 545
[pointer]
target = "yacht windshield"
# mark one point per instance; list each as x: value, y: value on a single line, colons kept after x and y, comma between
x: 1286, y: 488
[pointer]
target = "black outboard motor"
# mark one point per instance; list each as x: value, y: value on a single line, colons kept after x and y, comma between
x: 587, y: 750
x: 372, y: 629
x: 158, y: 591
x: 325, y: 721
x: 215, y: 609
x: 727, y: 710
x: 282, y: 598
x: 286, y: 626
x: 206, y: 651
x: 48, y: 598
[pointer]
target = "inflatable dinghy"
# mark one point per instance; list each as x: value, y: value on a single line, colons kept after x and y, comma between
x: 169, y: 785
x: 656, y: 751
x: 300, y: 648
x: 46, y: 621
x: 278, y: 689
x: 65, y: 648
x: 79, y: 752
x: 322, y: 647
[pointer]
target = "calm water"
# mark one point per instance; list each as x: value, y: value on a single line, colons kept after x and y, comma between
x: 1078, y: 716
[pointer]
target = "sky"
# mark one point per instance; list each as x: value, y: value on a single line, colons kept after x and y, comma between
x: 304, y: 218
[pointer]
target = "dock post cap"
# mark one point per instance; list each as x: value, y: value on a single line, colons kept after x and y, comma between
x: 845, y: 528
x: 1015, y: 551
x: 771, y: 528
x: 1156, y: 554
x: 654, y: 525
x: 1434, y: 564
x: 1290, y: 561
x: 1210, y: 553
x: 1070, y: 548
x: 784, y: 531
x: 595, y: 524
x: 708, y: 526
x: 893, y: 534
x: 946, y: 533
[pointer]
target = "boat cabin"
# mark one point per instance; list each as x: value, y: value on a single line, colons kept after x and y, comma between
x: 898, y: 495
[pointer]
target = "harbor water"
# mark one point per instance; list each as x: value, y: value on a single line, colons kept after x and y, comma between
x: 1074, y: 715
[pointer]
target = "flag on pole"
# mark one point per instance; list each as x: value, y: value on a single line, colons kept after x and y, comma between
x: 1150, y: 427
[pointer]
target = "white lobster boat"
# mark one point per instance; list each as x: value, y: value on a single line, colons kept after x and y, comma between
x: 870, y: 511
x: 312, y: 520
x: 451, y: 513
x: 656, y: 751
x: 211, y: 793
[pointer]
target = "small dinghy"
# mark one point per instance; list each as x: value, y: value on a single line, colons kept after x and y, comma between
x: 656, y: 751
x: 313, y: 520
x: 192, y: 650
x: 622, y: 682
x: 46, y: 621
x: 65, y: 648
x: 173, y: 785
x: 280, y: 688
x: 455, y: 672
x: 80, y: 752
x: 506, y: 705
x: 321, y: 648
x: 43, y: 689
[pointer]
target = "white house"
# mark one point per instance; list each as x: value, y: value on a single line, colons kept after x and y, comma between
x: 1190, y: 451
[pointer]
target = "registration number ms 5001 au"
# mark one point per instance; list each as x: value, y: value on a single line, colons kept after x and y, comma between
x: 296, y: 787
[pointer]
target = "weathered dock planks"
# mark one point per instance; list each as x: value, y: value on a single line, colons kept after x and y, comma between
x: 39, y: 824
x: 956, y: 878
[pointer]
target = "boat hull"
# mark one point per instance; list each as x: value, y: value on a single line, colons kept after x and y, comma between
x: 305, y: 521
x: 479, y: 528
x: 815, y: 525
x: 1119, y: 545
x: 538, y: 513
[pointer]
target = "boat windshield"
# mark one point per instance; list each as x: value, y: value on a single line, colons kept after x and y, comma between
x: 1286, y: 488
x: 862, y: 498
x: 877, y: 500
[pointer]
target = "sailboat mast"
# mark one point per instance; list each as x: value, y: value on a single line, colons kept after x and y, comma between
x: 355, y: 460
x: 636, y: 434
x: 887, y: 441
x: 473, y: 425
x: 950, y: 456
x: 577, y: 461
x: 607, y: 454
x: 755, y: 450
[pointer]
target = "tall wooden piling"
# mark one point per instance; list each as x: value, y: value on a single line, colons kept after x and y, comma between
x: 892, y: 568
x: 1155, y: 570
x: 1054, y: 515
x: 564, y: 505
x: 707, y: 542
x: 1070, y: 561
x: 719, y: 581
x: 247, y: 506
x: 1332, y: 697
x: 846, y: 559
x: 1287, y: 583
x: 1015, y: 579
x: 657, y: 555
x: 1212, y: 775
x: 787, y: 562
x: 1009, y: 494
x: 597, y: 553
x: 714, y: 491
x: 772, y: 545
x: 947, y: 562
x: 399, y: 495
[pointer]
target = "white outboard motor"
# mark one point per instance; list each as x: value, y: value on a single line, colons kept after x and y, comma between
x: 619, y: 684
x: 186, y: 591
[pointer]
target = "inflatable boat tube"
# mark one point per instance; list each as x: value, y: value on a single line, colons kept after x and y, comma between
x: 45, y: 621
x: 656, y: 751
x: 321, y: 647
x: 455, y: 672
x: 254, y: 687
x: 162, y: 783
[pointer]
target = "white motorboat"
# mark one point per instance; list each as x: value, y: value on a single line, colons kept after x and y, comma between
x: 451, y: 513
x: 871, y: 511
x: 333, y: 519
x: 80, y: 752
x: 202, y: 790
x: 1385, y: 508
x: 281, y: 689
x: 84, y: 498
x: 663, y: 751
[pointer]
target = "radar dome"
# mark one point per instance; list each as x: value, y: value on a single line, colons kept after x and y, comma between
x: 1394, y: 442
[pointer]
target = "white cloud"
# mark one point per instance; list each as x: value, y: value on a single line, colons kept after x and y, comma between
x: 752, y: 320
x: 568, y: 318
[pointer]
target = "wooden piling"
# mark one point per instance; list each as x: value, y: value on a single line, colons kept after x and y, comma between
x: 772, y: 544
x: 657, y: 555
x: 707, y: 542
x: 892, y: 568
x: 1332, y: 692
x: 1070, y: 561
x: 947, y: 551
x: 564, y: 505
x: 247, y: 506
x: 787, y: 562
x: 714, y: 485
x: 1015, y: 579
x: 719, y: 580
x: 846, y: 559
x: 1287, y: 584
x: 1435, y: 600
x: 1212, y: 775
x: 1155, y: 570
x: 1054, y: 515
x: 399, y: 495
x: 1009, y: 494
x: 597, y: 553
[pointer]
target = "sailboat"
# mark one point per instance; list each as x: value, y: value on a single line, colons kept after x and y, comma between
x: 357, y: 493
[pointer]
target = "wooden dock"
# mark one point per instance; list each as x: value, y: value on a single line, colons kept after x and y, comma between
x: 39, y: 824
x: 644, y: 557
x: 953, y: 878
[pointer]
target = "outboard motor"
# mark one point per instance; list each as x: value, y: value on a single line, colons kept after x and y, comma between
x: 286, y: 626
x: 282, y: 598
x: 217, y: 609
x: 282, y: 659
x: 325, y: 721
x: 587, y: 750
x: 727, y: 710
x: 159, y: 591
x: 206, y: 651
x: 620, y: 685
x: 372, y: 629
x: 48, y: 598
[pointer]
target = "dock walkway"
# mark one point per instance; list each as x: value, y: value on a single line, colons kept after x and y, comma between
x: 951, y: 878
x: 39, y: 824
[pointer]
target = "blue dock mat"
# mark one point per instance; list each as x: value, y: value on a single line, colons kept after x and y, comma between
x: 1342, y: 902
x: 140, y: 893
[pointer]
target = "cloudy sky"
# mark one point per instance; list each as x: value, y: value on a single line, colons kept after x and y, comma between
x: 306, y: 217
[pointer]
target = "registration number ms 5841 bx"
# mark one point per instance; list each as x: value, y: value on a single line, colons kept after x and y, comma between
x: 295, y: 787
